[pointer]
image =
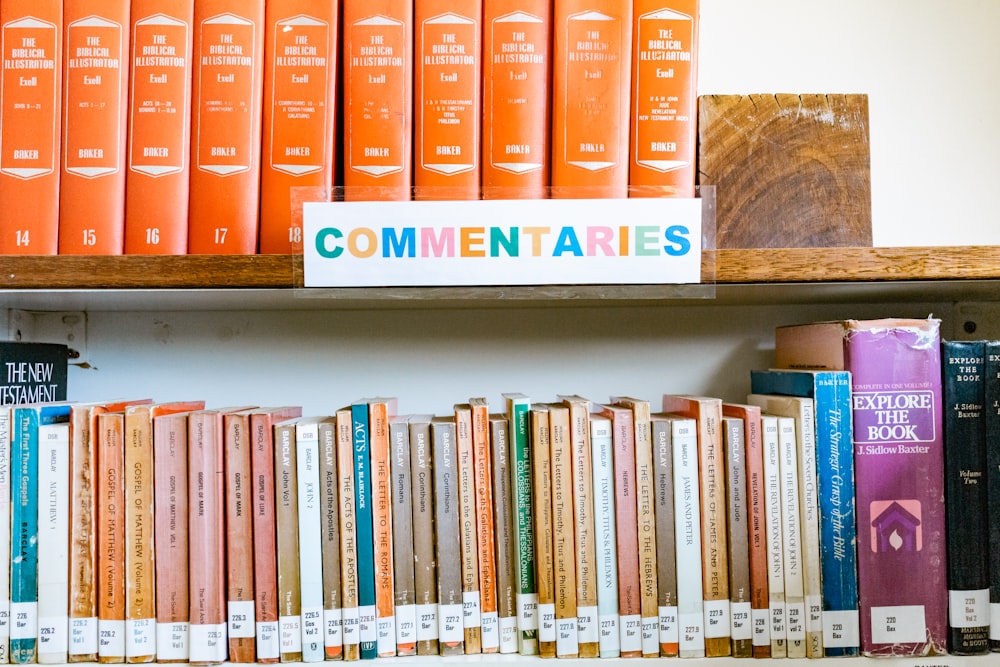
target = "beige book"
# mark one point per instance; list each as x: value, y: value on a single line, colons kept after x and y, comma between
x: 468, y: 530
x: 541, y: 464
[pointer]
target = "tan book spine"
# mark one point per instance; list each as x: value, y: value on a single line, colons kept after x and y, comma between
x: 348, y: 536
x: 451, y: 634
x: 287, y: 543
x: 206, y: 523
x: 541, y: 464
x: 111, y: 537
x: 239, y: 538
x: 468, y: 534
x: 424, y: 561
x: 333, y: 638
x: 738, y: 534
x: 82, y: 520
x: 503, y: 536
x: 170, y: 438
x: 379, y: 414
x: 402, y: 537
x: 483, y: 465
x: 563, y: 533
x: 646, y: 517
x: 264, y: 553
x: 588, y: 628
x: 661, y: 432
x: 626, y: 525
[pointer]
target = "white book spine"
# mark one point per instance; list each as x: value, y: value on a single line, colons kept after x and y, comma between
x: 809, y: 495
x: 5, y: 536
x: 792, y: 538
x: 310, y: 541
x: 53, y: 543
x: 687, y: 513
x: 773, y: 531
x: 606, y: 561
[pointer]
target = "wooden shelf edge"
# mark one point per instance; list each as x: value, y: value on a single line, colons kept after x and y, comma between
x: 729, y: 266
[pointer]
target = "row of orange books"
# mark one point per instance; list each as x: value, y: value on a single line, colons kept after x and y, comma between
x: 188, y: 126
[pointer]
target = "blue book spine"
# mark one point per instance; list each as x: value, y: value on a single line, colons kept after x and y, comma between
x: 24, y: 549
x: 366, y: 535
x: 831, y: 392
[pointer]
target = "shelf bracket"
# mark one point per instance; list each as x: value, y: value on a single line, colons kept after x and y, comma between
x: 66, y: 327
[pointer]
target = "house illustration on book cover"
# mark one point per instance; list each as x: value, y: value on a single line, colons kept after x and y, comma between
x: 896, y: 526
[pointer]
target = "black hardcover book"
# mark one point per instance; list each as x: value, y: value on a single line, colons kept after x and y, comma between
x: 992, y: 414
x: 32, y: 372
x: 964, y: 384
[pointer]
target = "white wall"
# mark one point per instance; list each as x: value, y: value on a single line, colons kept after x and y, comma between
x: 931, y: 71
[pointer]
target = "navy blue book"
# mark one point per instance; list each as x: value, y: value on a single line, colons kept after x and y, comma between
x: 831, y: 394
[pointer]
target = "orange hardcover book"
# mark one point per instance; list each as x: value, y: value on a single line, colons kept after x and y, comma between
x: 541, y: 473
x: 95, y: 109
x: 207, y: 536
x: 30, y: 104
x: 378, y: 99
x: 469, y: 533
x: 111, y: 537
x: 239, y: 537
x: 590, y: 98
x: 517, y: 100
x: 159, y: 128
x: 264, y: 565
x: 626, y: 524
x: 447, y: 83
x: 715, y: 571
x: 226, y: 91
x: 380, y: 411
x: 173, y: 609
x: 300, y: 109
x: 140, y: 579
x: 482, y: 461
x: 664, y: 110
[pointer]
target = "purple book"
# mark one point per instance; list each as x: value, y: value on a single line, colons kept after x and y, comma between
x: 895, y: 366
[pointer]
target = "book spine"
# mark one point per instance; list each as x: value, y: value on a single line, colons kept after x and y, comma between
x: 82, y: 554
x: 159, y: 144
x: 526, y: 592
x: 265, y: 572
x: 541, y: 474
x: 992, y: 427
x: 140, y: 572
x: 591, y: 66
x: 838, y: 532
x: 226, y: 97
x: 588, y: 625
x: 378, y: 73
x: 95, y: 110
x: 110, y: 538
x: 90, y: 610
x: 963, y: 366
x: 206, y: 526
x: 240, y: 542
x: 666, y: 547
x: 517, y: 55
x: 310, y: 541
x: 774, y: 535
x: 287, y: 543
x: 899, y: 480
x: 348, y: 536
x: 170, y: 502
x: 664, y: 111
x: 791, y: 526
x: 367, y: 628
x: 741, y: 627
x: 645, y: 514
x: 469, y: 533
x: 300, y: 63
x: 485, y: 549
x: 626, y: 523
x: 687, y: 517
x: 424, y: 563
x: 503, y: 532
x: 447, y: 44
x: 402, y: 538
x: 333, y: 639
x: 563, y: 522
x: 605, y: 533
x: 53, y: 543
x: 451, y: 635
x: 809, y: 508
x: 381, y: 461
x: 30, y: 117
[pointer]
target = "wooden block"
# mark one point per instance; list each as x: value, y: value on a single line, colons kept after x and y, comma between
x: 791, y: 171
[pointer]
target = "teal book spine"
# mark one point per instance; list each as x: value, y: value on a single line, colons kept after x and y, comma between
x: 831, y: 393
x: 24, y: 524
x: 366, y: 535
